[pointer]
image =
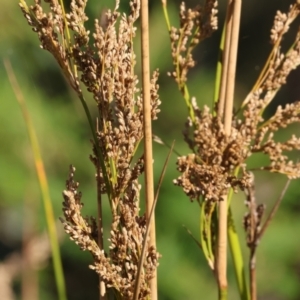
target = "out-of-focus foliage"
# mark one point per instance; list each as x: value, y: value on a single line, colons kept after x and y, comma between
x: 64, y: 136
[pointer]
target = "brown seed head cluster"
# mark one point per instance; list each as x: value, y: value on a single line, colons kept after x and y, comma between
x: 105, y: 66
x: 282, y: 22
x: 118, y: 269
x: 195, y: 25
x: 209, y: 170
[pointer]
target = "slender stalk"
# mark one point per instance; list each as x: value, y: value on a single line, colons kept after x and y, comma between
x: 226, y: 98
x: 252, y: 260
x: 164, y: 5
x: 41, y: 174
x: 225, y: 59
x: 221, y: 259
x: 142, y: 258
x: 252, y: 269
x: 273, y: 211
x: 236, y: 252
x: 219, y: 69
x: 148, y: 156
x: 100, y: 167
x: 233, y: 238
x: 29, y: 275
x: 238, y: 262
x: 102, y: 288
x: 236, y: 16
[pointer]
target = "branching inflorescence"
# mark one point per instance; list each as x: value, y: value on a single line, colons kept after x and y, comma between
x: 106, y: 68
x: 209, y: 170
x: 118, y: 270
x: 218, y: 160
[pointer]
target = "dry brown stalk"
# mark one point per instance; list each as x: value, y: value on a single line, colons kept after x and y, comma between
x: 228, y: 81
x: 254, y: 230
x: 148, y: 156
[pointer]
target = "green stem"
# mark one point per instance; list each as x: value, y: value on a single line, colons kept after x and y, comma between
x: 43, y: 182
x: 223, y: 293
x: 238, y: 263
x: 219, y: 69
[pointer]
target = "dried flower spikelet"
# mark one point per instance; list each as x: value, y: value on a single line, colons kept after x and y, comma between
x: 50, y: 28
x: 195, y: 25
x: 76, y: 19
x: 81, y: 230
x: 208, y: 171
x: 282, y: 22
x: 278, y: 26
x: 211, y: 12
x: 284, y: 116
x: 106, y: 68
x: 119, y: 269
x: 114, y: 85
x: 282, y: 67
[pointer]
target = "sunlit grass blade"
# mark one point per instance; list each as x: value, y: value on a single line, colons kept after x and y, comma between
x: 41, y: 174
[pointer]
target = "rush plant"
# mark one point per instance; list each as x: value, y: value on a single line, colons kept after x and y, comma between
x: 221, y: 140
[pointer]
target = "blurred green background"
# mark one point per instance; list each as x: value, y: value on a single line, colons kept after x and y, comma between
x: 64, y: 137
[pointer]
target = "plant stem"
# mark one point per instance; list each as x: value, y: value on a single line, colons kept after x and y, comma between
x: 252, y: 260
x: 42, y: 177
x: 225, y: 61
x: 102, y: 288
x: 273, y: 211
x: 148, y: 156
x: 237, y: 258
x: 252, y: 270
x: 219, y: 70
x: 225, y: 108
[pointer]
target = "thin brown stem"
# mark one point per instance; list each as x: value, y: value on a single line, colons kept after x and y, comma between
x: 102, y: 288
x: 252, y: 243
x: 236, y: 16
x: 227, y: 97
x: 273, y: 211
x: 142, y: 258
x: 148, y: 156
x: 225, y: 60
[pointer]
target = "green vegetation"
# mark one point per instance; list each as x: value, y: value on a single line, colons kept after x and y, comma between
x: 65, y: 138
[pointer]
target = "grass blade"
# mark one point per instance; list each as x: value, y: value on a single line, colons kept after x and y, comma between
x: 41, y: 174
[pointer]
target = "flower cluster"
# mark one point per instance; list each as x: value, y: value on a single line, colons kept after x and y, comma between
x: 105, y: 65
x: 211, y: 168
x: 118, y: 269
x: 195, y: 25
